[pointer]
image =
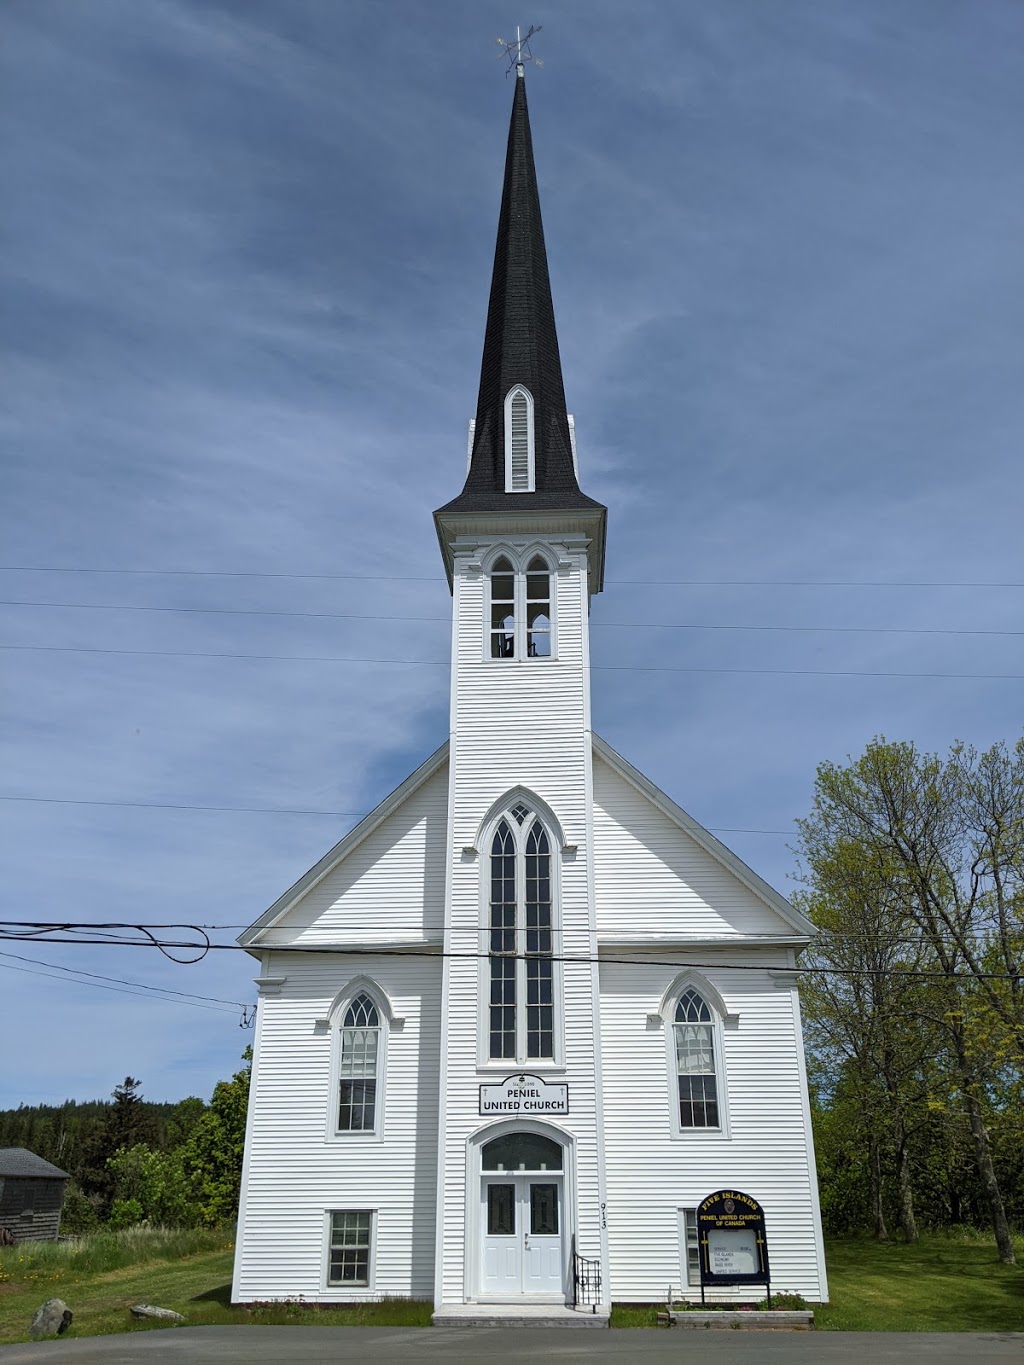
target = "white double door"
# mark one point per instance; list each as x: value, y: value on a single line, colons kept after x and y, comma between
x: 522, y: 1235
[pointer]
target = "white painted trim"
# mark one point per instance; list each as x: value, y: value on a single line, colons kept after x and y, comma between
x: 250, y: 937
x: 485, y: 829
x: 812, y: 1169
x: 250, y: 1119
x: 705, y: 839
x: 531, y: 477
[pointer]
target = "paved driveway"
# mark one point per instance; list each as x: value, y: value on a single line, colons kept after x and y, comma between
x: 283, y: 1345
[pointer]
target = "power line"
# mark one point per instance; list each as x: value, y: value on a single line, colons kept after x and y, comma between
x: 31, y: 971
x: 283, y: 810
x: 140, y: 985
x: 577, y: 960
x: 433, y: 578
x: 445, y: 663
x: 446, y: 620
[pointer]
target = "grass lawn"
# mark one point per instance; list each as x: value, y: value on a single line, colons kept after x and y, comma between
x: 188, y: 1271
x: 939, y: 1285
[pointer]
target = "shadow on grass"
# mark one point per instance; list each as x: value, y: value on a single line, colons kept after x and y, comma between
x: 220, y: 1294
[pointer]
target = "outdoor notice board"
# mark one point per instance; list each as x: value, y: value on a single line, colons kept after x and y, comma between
x: 733, y: 1246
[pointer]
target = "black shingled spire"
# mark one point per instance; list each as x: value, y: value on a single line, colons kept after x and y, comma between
x: 521, y: 347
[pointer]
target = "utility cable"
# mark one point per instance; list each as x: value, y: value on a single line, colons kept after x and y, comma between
x: 445, y: 663
x: 577, y: 960
x: 446, y: 620
x: 434, y: 578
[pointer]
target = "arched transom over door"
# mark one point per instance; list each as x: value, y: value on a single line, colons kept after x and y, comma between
x: 522, y: 1214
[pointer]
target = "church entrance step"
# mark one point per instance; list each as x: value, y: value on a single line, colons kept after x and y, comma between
x: 518, y: 1315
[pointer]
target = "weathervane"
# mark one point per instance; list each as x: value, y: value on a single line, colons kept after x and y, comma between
x: 519, y: 51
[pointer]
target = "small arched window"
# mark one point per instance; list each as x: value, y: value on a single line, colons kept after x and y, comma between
x: 696, y: 1062
x: 359, y: 1067
x: 519, y: 443
x: 521, y: 969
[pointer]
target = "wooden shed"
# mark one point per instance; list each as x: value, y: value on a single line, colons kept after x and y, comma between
x: 31, y: 1195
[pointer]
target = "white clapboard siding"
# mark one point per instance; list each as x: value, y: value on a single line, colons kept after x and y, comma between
x: 651, y: 878
x: 768, y: 1151
x: 296, y: 1173
x: 389, y: 886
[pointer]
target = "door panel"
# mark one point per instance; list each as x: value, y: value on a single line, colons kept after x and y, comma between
x: 522, y: 1236
x: 543, y: 1260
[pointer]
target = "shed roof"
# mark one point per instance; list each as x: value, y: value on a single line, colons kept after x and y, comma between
x: 15, y: 1161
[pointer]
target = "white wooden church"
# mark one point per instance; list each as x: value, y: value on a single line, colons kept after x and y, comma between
x: 527, y: 1014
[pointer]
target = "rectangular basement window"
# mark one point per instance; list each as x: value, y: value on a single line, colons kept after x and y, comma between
x: 349, y: 1254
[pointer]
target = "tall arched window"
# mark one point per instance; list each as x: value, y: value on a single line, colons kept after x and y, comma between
x: 359, y: 1067
x: 696, y: 1068
x: 538, y: 608
x: 520, y: 613
x: 503, y: 609
x: 521, y: 1023
x: 519, y: 445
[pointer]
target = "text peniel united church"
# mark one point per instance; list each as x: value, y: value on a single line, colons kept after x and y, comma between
x: 484, y: 1071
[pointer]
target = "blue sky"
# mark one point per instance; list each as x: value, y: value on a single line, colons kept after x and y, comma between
x: 245, y: 258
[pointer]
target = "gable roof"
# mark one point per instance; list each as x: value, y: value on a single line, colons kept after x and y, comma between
x: 19, y: 1161
x: 705, y: 840
x: 250, y: 937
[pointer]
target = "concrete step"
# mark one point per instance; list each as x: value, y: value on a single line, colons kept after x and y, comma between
x: 518, y: 1315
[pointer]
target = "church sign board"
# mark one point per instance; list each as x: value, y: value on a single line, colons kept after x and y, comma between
x: 733, y: 1247
x: 524, y: 1094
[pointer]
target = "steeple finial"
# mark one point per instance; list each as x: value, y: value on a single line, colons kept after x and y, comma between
x: 519, y: 52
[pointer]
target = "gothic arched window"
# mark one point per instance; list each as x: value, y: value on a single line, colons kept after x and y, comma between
x: 696, y: 1063
x: 519, y: 447
x: 359, y: 1067
x: 521, y: 969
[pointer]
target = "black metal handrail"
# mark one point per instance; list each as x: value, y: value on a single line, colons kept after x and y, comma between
x: 586, y: 1280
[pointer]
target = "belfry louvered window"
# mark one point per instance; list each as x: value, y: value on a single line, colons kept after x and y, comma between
x: 360, y: 1059
x: 519, y: 441
x: 694, y: 1030
x: 521, y: 1002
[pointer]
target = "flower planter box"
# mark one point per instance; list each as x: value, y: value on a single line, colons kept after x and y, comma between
x: 751, y: 1320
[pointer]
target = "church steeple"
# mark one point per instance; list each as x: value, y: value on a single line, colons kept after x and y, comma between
x: 521, y: 466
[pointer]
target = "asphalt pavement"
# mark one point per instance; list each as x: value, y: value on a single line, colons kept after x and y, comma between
x: 311, y: 1345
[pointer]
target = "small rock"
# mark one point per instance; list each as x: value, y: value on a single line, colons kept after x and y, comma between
x: 146, y: 1310
x: 51, y: 1319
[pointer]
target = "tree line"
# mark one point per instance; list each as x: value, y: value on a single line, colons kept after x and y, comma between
x: 132, y: 1161
x: 912, y: 867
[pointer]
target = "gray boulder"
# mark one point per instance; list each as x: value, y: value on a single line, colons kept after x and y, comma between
x: 146, y: 1310
x: 51, y: 1319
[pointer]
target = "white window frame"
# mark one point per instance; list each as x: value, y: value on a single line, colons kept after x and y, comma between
x: 689, y: 1276
x: 538, y: 811
x: 520, y: 559
x: 358, y: 1292
x: 716, y: 1006
x: 361, y: 985
x: 516, y: 391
